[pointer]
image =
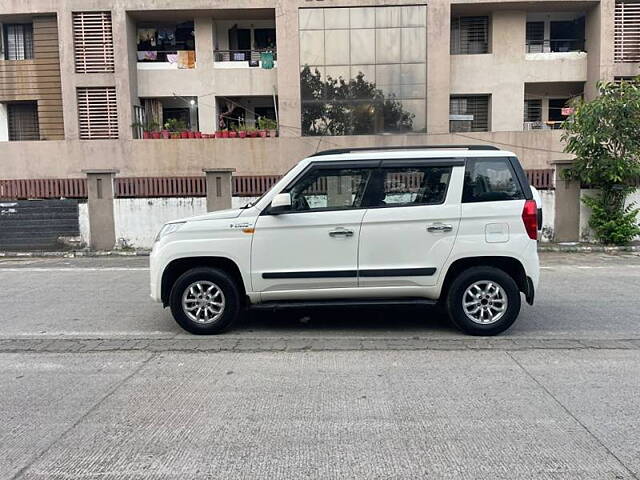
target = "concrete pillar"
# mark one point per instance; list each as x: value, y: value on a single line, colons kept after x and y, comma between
x: 204, y: 29
x: 438, y: 65
x: 219, y: 188
x: 599, y: 33
x: 288, y: 88
x: 507, y: 43
x: 567, y: 205
x: 100, y: 200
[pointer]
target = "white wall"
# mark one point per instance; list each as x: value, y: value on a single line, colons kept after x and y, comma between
x: 4, y: 123
x: 586, y: 234
x: 548, y: 214
x: 83, y: 220
x: 138, y: 220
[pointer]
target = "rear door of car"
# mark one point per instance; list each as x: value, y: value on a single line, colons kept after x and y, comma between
x: 411, y: 222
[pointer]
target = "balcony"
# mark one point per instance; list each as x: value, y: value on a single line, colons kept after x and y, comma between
x: 165, y: 46
x: 560, y: 45
x: 261, y: 58
x: 245, y: 39
x: 548, y: 105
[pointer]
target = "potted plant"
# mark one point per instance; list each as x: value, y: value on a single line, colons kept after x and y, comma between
x: 271, y: 126
x: 198, y: 134
x: 252, y: 132
x: 176, y: 126
x: 150, y: 129
x: 233, y: 133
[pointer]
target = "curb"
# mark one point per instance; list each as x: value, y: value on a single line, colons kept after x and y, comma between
x: 77, y: 253
x: 543, y: 248
x: 586, y: 248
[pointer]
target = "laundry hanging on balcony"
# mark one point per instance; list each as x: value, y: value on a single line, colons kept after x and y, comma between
x: 186, y: 59
x: 147, y: 55
x: 266, y: 60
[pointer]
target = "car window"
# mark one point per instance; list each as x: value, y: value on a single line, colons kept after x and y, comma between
x: 409, y: 186
x: 490, y: 180
x: 332, y: 189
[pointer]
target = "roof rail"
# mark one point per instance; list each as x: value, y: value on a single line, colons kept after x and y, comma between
x: 337, y: 151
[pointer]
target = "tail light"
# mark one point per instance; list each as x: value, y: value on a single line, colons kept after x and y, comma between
x: 530, y: 218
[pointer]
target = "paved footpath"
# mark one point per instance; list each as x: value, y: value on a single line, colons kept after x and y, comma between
x: 97, y: 382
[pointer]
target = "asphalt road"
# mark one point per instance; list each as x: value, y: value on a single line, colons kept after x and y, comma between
x: 96, y: 381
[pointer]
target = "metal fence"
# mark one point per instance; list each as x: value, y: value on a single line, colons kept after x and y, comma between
x: 149, y: 187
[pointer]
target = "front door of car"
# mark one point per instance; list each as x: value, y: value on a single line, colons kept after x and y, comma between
x: 411, y: 224
x: 314, y: 244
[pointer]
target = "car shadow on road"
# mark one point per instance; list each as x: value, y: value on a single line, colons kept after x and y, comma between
x: 354, y: 321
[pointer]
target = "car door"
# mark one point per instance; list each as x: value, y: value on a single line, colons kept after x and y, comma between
x: 411, y: 224
x: 314, y: 245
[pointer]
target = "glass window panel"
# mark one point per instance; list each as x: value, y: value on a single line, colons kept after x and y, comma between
x: 336, y: 47
x: 388, y: 45
x: 311, y: 18
x: 413, y: 73
x: 363, y: 46
x: 336, y: 18
x: 414, y: 45
x: 388, y: 74
x: 388, y: 17
x: 369, y: 72
x: 312, y: 47
x: 402, y: 187
x: 414, y: 16
x: 329, y: 189
x: 490, y: 180
x: 364, y: 17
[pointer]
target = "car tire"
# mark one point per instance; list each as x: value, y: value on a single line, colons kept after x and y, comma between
x: 205, y: 301
x: 483, y: 301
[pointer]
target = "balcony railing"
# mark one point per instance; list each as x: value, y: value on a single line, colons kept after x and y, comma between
x: 555, y: 45
x: 550, y: 125
x: 164, y: 56
x: 257, y: 55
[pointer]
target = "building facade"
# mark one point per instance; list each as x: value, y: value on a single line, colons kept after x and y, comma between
x: 85, y: 83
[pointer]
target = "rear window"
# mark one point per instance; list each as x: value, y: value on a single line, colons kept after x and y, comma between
x: 490, y: 180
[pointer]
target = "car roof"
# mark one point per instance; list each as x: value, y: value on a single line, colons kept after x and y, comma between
x: 409, y: 152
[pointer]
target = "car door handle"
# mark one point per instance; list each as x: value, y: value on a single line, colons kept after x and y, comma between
x: 341, y: 232
x: 439, y: 227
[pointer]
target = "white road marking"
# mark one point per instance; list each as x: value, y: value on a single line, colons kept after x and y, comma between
x: 75, y: 269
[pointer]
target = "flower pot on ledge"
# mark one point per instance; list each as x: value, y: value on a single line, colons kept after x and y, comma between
x: 155, y: 135
x: 184, y: 134
x: 146, y: 135
x: 233, y: 134
x: 262, y: 133
x: 242, y: 134
x: 166, y: 134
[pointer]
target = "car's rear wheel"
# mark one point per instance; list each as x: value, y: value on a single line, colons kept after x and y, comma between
x: 483, y: 301
x: 205, y: 301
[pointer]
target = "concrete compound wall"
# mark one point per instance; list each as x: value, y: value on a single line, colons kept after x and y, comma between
x: 586, y: 233
x: 138, y: 220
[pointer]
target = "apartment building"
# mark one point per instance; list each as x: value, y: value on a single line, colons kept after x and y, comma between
x: 95, y: 84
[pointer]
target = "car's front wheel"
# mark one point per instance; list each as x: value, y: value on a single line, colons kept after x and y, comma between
x: 483, y: 301
x: 205, y: 301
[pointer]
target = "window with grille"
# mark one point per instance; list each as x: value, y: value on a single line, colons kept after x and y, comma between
x: 469, y: 35
x: 23, y: 121
x: 627, y: 32
x: 533, y: 110
x: 535, y: 37
x: 93, y: 42
x: 97, y: 113
x: 469, y: 113
x: 18, y: 41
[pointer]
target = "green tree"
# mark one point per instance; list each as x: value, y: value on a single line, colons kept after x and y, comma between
x: 355, y: 107
x: 604, y: 136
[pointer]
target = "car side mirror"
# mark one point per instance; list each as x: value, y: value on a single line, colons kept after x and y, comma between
x: 280, y: 203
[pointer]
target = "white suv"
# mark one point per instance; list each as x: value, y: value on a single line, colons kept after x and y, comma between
x: 449, y: 226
